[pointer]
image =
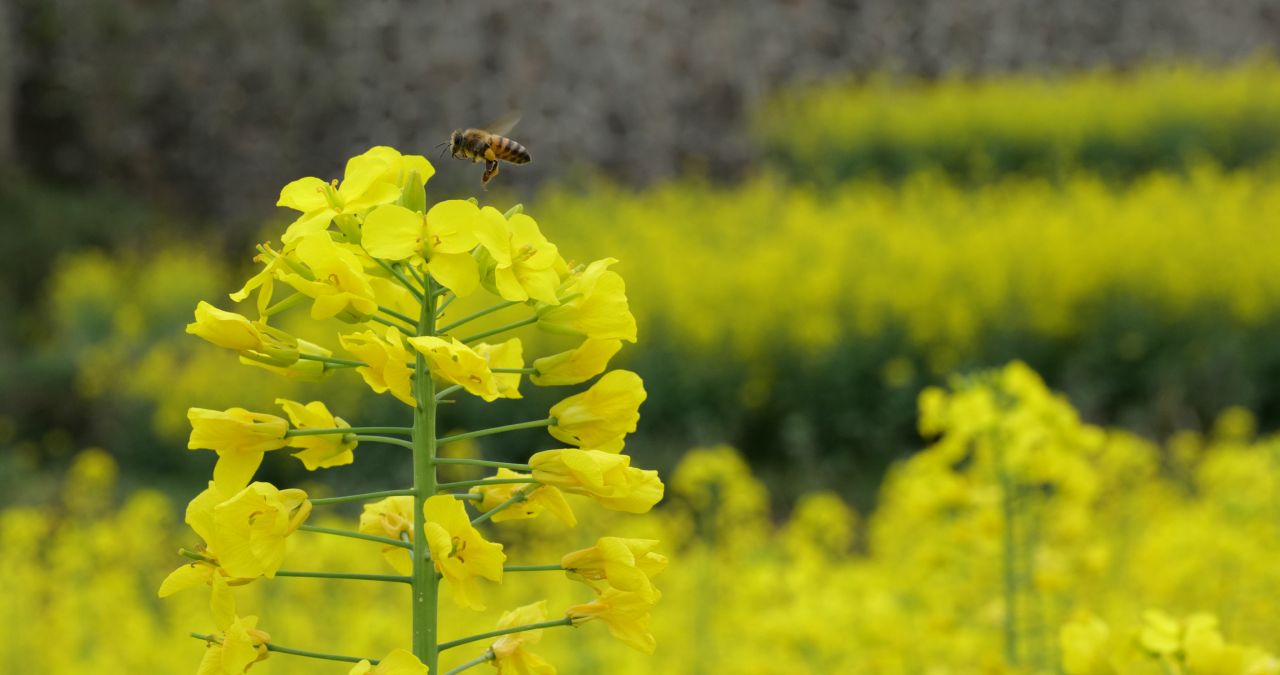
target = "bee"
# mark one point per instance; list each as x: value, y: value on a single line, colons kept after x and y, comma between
x: 490, y: 144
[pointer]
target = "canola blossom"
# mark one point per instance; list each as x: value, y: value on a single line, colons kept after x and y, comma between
x: 368, y: 252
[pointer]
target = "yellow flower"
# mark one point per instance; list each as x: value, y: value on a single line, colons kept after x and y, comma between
x: 593, y: 305
x: 239, y: 644
x: 249, y: 529
x: 365, y: 184
x: 576, y: 365
x: 199, y: 516
x: 388, y: 360
x: 600, y: 417
x: 519, y: 262
x: 334, y: 278
x: 460, y: 554
x: 1084, y: 643
x: 225, y: 329
x: 510, y: 656
x: 443, y: 238
x: 453, y: 361
x: 398, y: 662
x: 607, y: 477
x: 264, y: 280
x: 239, y: 437
x: 543, y: 497
x: 624, y: 564
x: 391, y: 517
x: 323, y: 451
x: 234, y: 650
x: 626, y: 614
x: 509, y: 354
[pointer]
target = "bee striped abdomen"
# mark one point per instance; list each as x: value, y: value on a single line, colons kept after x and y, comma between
x: 508, y: 150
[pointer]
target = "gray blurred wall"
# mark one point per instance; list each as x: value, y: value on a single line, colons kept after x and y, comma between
x: 215, y: 103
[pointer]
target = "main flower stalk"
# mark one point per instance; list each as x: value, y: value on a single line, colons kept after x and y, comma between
x: 425, y: 581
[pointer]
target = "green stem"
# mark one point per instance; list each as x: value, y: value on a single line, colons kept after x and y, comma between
x: 497, y: 430
x: 553, y: 567
x: 483, y: 462
x: 502, y: 329
x: 345, y: 575
x: 361, y: 497
x: 394, y: 314
x: 349, y: 430
x: 445, y: 305
x: 467, y: 496
x: 346, y: 363
x: 426, y: 586
x: 386, y: 541
x: 295, y: 652
x: 486, y: 656
x: 519, y: 496
x: 464, y: 484
x: 403, y: 329
x: 422, y: 283
x: 287, y: 303
x: 194, y: 555
x: 444, y: 393
x: 505, y: 631
x: 399, y: 277
x: 385, y: 439
x: 476, y: 315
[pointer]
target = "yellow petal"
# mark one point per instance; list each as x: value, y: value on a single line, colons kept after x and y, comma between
x: 392, y: 232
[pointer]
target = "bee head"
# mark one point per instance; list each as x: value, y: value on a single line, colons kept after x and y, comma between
x: 455, y: 142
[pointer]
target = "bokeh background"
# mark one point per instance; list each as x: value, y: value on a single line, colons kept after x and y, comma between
x: 821, y: 209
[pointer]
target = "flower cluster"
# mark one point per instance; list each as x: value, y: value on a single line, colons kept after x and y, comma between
x: 367, y: 251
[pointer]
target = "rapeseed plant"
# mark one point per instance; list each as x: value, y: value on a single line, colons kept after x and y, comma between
x: 368, y: 252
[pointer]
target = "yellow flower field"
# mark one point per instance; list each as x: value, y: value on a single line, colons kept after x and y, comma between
x: 1019, y: 531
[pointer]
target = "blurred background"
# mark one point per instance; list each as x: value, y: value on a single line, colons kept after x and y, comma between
x: 821, y: 209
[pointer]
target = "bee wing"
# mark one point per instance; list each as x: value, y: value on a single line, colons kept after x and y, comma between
x: 503, y: 125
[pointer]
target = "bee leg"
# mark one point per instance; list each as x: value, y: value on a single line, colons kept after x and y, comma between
x: 489, y: 156
x: 490, y: 170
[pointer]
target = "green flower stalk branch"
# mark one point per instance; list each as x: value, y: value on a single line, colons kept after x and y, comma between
x: 367, y: 251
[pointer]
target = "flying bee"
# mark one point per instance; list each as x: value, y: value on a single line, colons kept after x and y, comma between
x: 489, y: 144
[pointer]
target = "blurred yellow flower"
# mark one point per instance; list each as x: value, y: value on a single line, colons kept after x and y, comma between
x: 626, y: 614
x: 520, y: 261
x: 1085, y: 647
x: 398, y: 662
x: 605, y: 476
x: 510, y: 655
x: 1160, y: 634
x: 324, y: 451
x: 576, y: 365
x: 461, y: 555
x: 617, y: 562
x: 391, y: 517
x: 364, y: 185
x: 249, y: 529
x: 600, y: 417
x: 452, y: 361
x: 333, y: 278
x: 239, y: 437
x: 593, y: 305
x: 543, y: 497
x: 388, y: 362
x: 509, y: 354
